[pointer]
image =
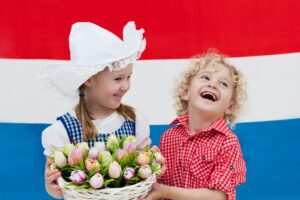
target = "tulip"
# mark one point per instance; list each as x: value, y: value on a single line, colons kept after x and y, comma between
x: 92, y: 165
x: 78, y: 177
x: 59, y: 159
x: 145, y: 171
x: 84, y: 148
x: 100, y: 146
x: 93, y: 153
x: 76, y: 157
x: 130, y: 147
x: 120, y: 154
x: 112, y: 142
x: 130, y: 138
x: 114, y: 170
x: 105, y: 158
x: 143, y: 158
x: 68, y: 148
x: 96, y: 181
x: 129, y: 173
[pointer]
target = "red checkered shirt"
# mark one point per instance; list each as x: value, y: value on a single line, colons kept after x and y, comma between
x: 211, y: 158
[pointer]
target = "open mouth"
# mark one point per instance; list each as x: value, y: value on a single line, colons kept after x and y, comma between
x: 209, y: 95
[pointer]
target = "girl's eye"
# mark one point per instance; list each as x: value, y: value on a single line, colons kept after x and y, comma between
x: 118, y: 79
x: 204, y: 77
x: 128, y: 77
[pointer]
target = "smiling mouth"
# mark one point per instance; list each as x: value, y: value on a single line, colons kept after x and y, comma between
x: 209, y: 95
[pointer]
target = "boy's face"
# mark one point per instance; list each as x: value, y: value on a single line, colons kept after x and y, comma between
x: 210, y: 92
x: 104, y: 91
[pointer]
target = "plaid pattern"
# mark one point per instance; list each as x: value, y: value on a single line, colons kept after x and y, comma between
x: 211, y: 158
x: 75, y: 132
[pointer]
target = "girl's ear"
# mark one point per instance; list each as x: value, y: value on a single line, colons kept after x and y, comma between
x: 89, y: 82
x: 230, y: 108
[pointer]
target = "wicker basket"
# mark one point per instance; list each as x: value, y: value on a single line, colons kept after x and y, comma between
x: 131, y: 192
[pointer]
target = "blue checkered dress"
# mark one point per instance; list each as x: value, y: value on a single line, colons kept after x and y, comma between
x: 75, y: 133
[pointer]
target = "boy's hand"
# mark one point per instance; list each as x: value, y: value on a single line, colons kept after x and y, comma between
x: 154, y: 194
x: 160, y: 160
x: 50, y: 181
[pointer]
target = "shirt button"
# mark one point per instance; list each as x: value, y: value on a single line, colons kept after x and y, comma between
x: 231, y: 167
x: 183, y: 168
x: 191, y: 139
x: 203, y: 157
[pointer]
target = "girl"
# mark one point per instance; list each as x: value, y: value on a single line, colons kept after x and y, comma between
x: 203, y: 156
x: 99, y: 74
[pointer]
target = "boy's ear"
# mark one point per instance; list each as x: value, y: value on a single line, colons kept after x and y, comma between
x: 230, y: 108
x: 185, y: 95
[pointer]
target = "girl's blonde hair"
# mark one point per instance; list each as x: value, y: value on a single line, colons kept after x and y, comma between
x: 212, y: 58
x: 82, y: 113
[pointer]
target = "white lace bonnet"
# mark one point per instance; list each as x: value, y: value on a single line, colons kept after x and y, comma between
x: 92, y: 49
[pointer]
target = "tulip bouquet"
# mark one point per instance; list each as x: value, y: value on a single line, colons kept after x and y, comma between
x: 114, y: 164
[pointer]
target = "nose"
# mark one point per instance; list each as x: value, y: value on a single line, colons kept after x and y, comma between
x: 212, y: 84
x: 125, y: 85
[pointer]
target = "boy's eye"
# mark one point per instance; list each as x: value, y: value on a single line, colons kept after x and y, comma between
x: 128, y: 77
x: 204, y: 77
x: 224, y: 84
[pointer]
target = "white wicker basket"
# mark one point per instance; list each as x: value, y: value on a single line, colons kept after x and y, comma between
x: 131, y: 192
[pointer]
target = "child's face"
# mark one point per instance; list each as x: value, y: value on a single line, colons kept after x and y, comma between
x: 210, y: 91
x: 106, y: 89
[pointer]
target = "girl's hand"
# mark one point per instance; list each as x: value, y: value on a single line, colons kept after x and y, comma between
x: 51, y: 176
x: 161, y: 161
x: 154, y: 194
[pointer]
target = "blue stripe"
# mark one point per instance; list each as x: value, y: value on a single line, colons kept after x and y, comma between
x: 271, y: 150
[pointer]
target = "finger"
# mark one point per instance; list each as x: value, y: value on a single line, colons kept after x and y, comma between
x: 52, y: 178
x: 58, y: 188
x: 50, y: 172
x: 49, y: 162
x: 155, y: 148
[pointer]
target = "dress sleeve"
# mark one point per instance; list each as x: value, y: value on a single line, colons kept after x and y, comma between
x: 54, y: 137
x: 142, y: 130
x: 229, y: 171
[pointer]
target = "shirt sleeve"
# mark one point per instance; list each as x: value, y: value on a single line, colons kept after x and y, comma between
x: 229, y: 171
x: 142, y: 130
x: 54, y: 137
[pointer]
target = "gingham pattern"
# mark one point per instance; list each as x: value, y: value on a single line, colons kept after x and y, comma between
x: 75, y: 133
x: 211, y: 158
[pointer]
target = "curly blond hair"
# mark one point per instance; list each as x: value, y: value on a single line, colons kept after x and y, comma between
x: 200, y: 62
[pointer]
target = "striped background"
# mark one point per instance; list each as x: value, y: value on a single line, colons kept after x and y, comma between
x: 261, y: 38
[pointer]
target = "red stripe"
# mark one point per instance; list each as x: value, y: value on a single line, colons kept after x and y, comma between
x: 174, y: 29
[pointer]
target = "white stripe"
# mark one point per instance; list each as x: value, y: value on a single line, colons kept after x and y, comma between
x: 273, y: 91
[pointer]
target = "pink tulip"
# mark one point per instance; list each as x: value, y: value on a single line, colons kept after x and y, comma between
x: 84, y: 148
x: 59, y: 159
x: 114, y: 170
x: 130, y: 147
x: 129, y: 173
x: 93, y: 153
x: 92, y: 165
x: 76, y: 157
x: 96, y: 181
x: 78, y: 177
x: 120, y: 154
x: 143, y: 158
x: 145, y: 171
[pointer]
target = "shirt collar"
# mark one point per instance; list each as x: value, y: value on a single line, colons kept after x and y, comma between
x: 219, y: 125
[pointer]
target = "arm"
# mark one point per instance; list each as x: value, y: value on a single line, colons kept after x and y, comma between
x: 50, y: 181
x: 142, y: 130
x: 160, y: 191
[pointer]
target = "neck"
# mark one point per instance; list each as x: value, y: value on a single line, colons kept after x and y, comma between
x: 199, y: 121
x: 98, y: 111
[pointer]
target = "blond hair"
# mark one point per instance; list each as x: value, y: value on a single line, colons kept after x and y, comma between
x: 83, y: 115
x: 200, y: 62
